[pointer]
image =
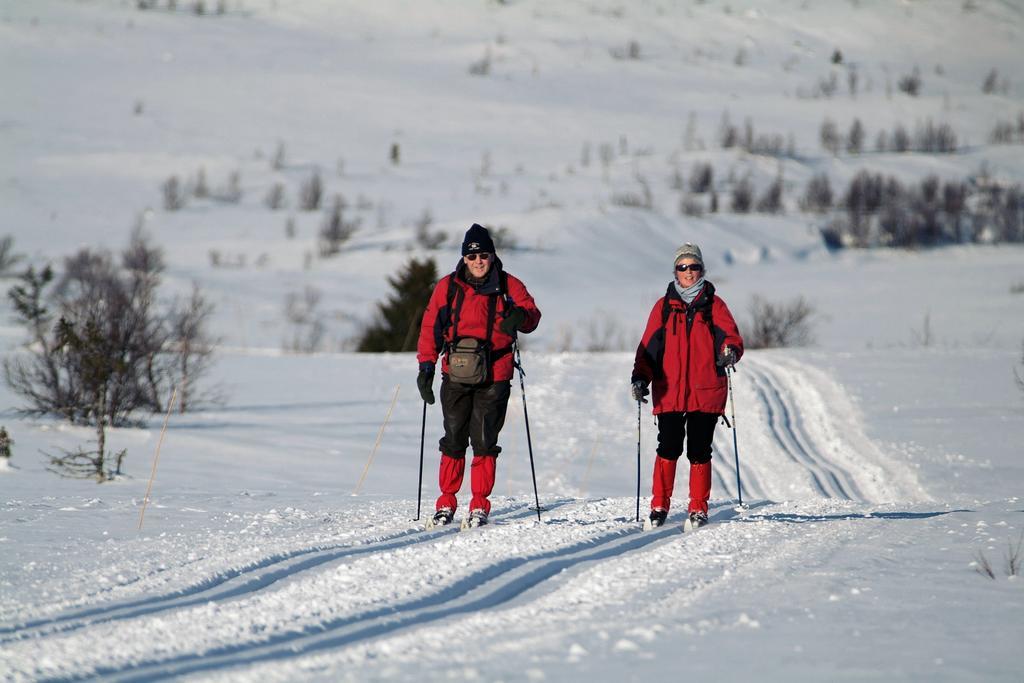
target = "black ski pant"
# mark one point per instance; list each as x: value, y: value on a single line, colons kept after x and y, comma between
x: 473, y: 414
x: 672, y: 431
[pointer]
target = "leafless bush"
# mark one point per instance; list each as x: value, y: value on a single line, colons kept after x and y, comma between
x: 777, y: 325
x: 829, y: 136
x: 307, y: 328
x: 933, y: 138
x: 728, y: 134
x: 910, y: 83
x: 855, y: 139
x: 900, y: 139
x: 275, y: 198
x: 335, y: 230
x: 200, y: 190
x: 631, y: 51
x: 425, y: 237
x: 983, y: 566
x: 771, y: 200
x: 604, y: 332
x: 311, y: 193
x: 277, y: 162
x: 502, y: 237
x: 691, y: 206
x: 8, y: 259
x: 635, y: 200
x: 231, y: 192
x: 100, y: 349
x: 991, y: 82
x: 817, y: 195
x: 742, y: 197
x: 481, y: 67
x: 174, y: 197
x: 702, y: 176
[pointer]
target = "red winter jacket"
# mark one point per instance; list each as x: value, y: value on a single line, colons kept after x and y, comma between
x: 472, y: 308
x: 678, y: 357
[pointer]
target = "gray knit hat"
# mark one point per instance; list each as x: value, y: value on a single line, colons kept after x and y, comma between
x: 689, y: 250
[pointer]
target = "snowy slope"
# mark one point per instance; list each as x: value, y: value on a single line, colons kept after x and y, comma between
x: 879, y: 468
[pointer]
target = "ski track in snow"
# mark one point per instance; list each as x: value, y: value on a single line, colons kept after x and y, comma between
x: 326, y: 602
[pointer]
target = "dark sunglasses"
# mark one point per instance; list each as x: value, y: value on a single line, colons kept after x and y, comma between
x: 484, y: 256
x: 695, y: 267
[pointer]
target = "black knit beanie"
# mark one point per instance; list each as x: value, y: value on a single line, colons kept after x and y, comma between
x: 477, y: 240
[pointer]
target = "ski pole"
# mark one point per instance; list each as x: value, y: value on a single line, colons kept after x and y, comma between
x: 735, y: 447
x: 526, y: 416
x: 419, y: 488
x: 638, y: 460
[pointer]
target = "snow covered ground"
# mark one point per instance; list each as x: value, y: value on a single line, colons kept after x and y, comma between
x: 879, y: 465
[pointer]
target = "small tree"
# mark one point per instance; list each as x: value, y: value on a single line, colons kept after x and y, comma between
x: 5, y: 444
x: 817, y: 195
x: 742, y: 196
x: 399, y: 317
x: 855, y: 140
x: 8, y: 259
x: 335, y: 230
x: 829, y: 135
x: 311, y: 193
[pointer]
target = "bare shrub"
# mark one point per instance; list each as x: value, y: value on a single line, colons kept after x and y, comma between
x: 481, y: 67
x: 174, y: 196
x: 635, y: 200
x: 101, y: 349
x: 425, y: 237
x: 231, y: 192
x: 335, y: 230
x: 777, y: 325
x: 910, y: 83
x: 932, y: 138
x: 983, y: 566
x: 277, y: 162
x: 702, y: 177
x: 8, y: 259
x: 829, y: 136
x: 691, y: 206
x: 771, y: 200
x: 604, y: 332
x: 855, y: 139
x: 201, y: 190
x: 306, y: 324
x: 630, y: 51
x: 817, y: 195
x: 900, y: 141
x: 311, y: 193
x: 991, y: 82
x: 742, y: 197
x: 275, y: 198
x: 502, y: 237
x: 728, y: 134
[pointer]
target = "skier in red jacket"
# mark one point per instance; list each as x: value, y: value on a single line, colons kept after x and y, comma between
x: 473, y: 317
x: 690, y: 339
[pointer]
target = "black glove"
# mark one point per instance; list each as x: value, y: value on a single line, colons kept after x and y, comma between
x: 515, y: 317
x: 728, y: 357
x: 425, y: 382
x: 638, y: 390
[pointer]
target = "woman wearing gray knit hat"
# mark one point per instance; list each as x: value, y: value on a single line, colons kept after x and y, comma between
x: 690, y: 339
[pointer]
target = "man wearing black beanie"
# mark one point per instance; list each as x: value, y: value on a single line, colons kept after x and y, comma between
x: 471, y: 322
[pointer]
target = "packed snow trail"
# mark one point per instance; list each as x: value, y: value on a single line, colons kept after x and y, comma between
x: 800, y: 442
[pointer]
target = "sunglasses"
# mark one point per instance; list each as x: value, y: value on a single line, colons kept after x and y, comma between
x: 695, y: 267
x: 484, y: 256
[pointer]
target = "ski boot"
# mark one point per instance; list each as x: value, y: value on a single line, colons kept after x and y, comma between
x: 696, y: 520
x: 474, y: 519
x: 442, y: 517
x: 657, y: 518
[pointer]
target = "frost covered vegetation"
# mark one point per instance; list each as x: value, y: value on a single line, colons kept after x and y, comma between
x: 313, y: 166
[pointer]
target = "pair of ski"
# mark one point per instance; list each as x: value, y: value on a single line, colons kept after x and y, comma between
x: 465, y: 525
x: 689, y: 525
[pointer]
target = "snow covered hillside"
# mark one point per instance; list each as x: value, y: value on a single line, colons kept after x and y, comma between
x: 881, y: 465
